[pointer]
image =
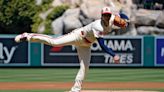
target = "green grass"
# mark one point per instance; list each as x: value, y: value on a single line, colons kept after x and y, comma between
x: 68, y: 75
x: 37, y: 75
x: 94, y: 75
x: 125, y: 75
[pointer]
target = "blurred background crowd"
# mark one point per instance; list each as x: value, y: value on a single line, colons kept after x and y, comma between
x: 63, y: 16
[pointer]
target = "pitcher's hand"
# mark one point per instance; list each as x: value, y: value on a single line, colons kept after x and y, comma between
x: 116, y: 59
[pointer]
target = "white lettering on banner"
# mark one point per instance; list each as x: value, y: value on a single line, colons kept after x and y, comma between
x: 124, y: 45
x: 116, y: 45
x: 73, y: 48
x: 108, y: 58
x: 9, y: 54
x: 1, y: 51
x: 124, y: 59
x: 94, y: 47
x: 162, y: 52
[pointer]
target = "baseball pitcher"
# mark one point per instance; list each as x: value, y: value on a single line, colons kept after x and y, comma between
x: 82, y: 38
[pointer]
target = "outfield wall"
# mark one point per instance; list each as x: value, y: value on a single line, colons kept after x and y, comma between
x: 135, y: 51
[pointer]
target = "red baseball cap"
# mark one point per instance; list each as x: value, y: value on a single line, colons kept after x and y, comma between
x: 106, y: 10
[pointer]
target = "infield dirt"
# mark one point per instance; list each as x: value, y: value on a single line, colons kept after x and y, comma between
x: 87, y: 85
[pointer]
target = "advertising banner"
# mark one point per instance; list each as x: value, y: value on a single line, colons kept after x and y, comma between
x: 159, y: 50
x: 128, y: 48
x: 12, y: 53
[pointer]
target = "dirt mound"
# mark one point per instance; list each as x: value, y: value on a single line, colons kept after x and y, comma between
x: 117, y: 91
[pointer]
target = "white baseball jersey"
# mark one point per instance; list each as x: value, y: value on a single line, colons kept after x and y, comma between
x: 96, y: 29
x: 82, y: 38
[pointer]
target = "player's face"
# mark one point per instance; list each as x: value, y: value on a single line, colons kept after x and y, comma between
x: 106, y: 18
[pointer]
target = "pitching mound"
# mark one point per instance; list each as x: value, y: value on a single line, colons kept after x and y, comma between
x: 117, y: 91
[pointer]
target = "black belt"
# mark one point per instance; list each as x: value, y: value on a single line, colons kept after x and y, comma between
x: 86, y: 40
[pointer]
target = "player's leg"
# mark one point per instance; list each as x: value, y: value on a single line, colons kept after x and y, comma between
x: 68, y: 39
x: 84, y: 54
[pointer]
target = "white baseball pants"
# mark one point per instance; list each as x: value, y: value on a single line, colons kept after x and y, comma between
x: 83, y: 50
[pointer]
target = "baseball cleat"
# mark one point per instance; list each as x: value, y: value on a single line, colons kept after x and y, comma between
x: 21, y: 37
